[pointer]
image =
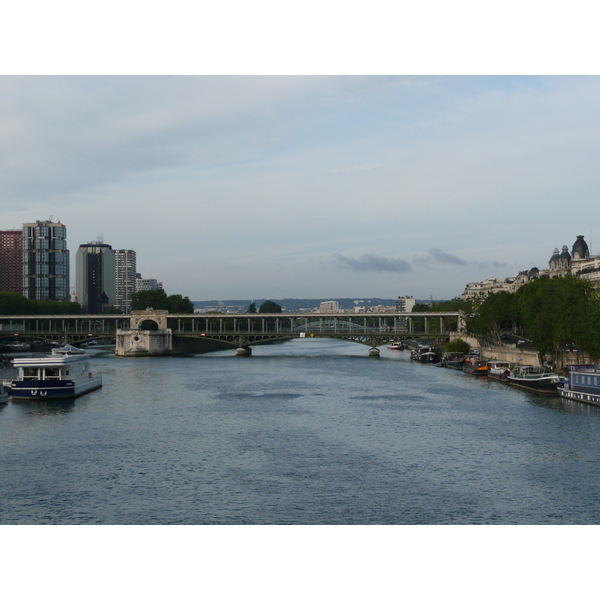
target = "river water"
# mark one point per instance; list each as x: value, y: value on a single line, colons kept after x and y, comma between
x: 306, y: 432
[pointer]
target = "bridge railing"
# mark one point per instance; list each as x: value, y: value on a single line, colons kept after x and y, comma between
x: 196, y: 324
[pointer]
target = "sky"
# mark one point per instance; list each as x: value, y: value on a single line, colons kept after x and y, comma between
x: 230, y: 180
x: 307, y: 186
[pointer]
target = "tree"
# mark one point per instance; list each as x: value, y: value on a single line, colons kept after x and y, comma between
x: 458, y: 345
x: 456, y: 304
x: 558, y: 312
x: 252, y: 308
x: 156, y: 299
x: 487, y: 319
x: 539, y: 307
x: 268, y: 306
x: 180, y: 305
x: 578, y: 297
x: 12, y: 303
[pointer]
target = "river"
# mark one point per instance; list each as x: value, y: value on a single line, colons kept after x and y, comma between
x: 306, y: 432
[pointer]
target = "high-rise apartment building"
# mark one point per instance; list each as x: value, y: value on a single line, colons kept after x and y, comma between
x: 404, y: 304
x: 95, y: 277
x: 147, y: 285
x: 45, y: 261
x: 329, y: 306
x: 125, y: 262
x: 11, y: 261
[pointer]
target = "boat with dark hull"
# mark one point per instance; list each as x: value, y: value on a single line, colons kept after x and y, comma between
x: 475, y: 366
x: 498, y: 370
x: 425, y: 354
x: 582, y: 384
x: 535, y: 379
x: 63, y: 374
x: 454, y: 360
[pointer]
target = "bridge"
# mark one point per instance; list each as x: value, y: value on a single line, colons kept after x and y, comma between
x: 151, y: 331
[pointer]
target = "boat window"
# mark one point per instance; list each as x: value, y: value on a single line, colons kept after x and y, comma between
x: 51, y: 373
x: 589, y: 380
x: 30, y: 373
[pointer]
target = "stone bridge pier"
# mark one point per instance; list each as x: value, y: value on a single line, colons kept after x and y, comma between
x: 148, y: 335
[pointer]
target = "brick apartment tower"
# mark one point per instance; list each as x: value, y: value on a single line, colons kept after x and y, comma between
x: 11, y: 261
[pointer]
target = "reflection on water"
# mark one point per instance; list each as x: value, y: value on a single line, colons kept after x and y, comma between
x: 312, y: 431
x: 43, y: 408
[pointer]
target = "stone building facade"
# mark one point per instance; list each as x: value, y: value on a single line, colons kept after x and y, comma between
x: 577, y: 262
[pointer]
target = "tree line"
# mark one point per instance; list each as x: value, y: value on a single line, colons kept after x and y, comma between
x: 266, y: 307
x: 13, y: 303
x: 555, y: 314
x: 158, y: 300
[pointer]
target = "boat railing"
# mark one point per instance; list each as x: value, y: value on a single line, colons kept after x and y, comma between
x: 582, y: 368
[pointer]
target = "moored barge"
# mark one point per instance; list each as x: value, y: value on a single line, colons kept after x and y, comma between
x: 454, y: 360
x: 582, y: 384
x: 498, y: 370
x: 535, y: 379
x: 475, y: 366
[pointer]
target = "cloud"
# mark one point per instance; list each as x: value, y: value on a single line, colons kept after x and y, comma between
x: 373, y: 262
x: 483, y: 264
x: 386, y: 166
x: 435, y: 255
x: 443, y: 257
x: 439, y: 256
x: 62, y: 135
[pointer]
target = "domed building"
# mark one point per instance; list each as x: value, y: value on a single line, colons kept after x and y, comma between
x: 559, y: 264
x: 554, y: 260
x: 579, y: 262
x: 583, y: 264
x: 580, y: 249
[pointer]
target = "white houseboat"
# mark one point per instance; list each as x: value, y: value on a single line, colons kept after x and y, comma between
x: 498, y: 370
x: 65, y: 373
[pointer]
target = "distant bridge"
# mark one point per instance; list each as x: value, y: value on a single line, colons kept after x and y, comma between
x: 238, y: 330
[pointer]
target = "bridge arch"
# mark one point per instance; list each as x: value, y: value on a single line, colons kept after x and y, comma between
x: 148, y: 320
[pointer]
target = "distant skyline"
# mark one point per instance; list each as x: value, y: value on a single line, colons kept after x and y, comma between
x: 307, y: 186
